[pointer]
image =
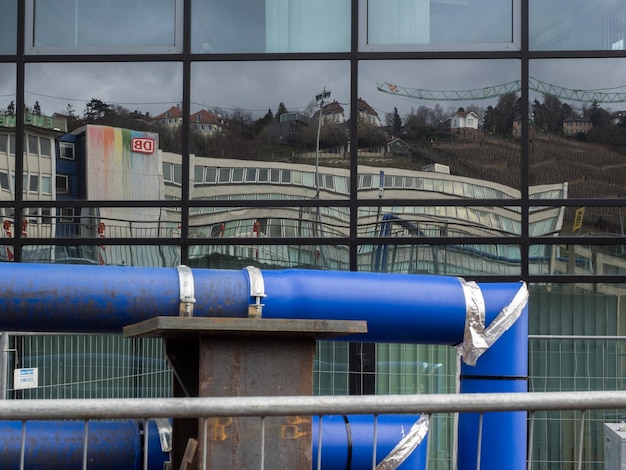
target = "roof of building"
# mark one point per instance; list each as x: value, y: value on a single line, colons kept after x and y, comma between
x: 205, y: 116
x: 173, y: 112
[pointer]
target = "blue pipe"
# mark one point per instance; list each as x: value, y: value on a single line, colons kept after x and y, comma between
x: 346, y: 444
x: 398, y: 308
x: 347, y: 441
x: 502, y: 368
x: 59, y: 444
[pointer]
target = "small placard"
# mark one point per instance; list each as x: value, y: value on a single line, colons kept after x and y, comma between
x: 25, y: 378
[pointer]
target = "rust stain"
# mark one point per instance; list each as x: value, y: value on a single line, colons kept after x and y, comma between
x: 297, y: 427
x: 217, y: 428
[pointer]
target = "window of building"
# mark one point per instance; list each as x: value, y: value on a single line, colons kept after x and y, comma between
x: 274, y: 175
x: 8, y: 25
x: 224, y: 175
x: 66, y: 150
x: 211, y: 175
x: 439, y: 25
x: 251, y: 175
x: 329, y: 182
x: 33, y: 185
x: 198, y: 174
x: 45, y: 147
x: 4, y: 181
x: 238, y: 175
x: 62, y: 184
x: 178, y: 174
x: 33, y: 144
x: 240, y: 26
x: 46, y: 184
x: 167, y: 172
x: 103, y: 27
x: 285, y: 177
x: 263, y: 175
x: 67, y: 214
x: 565, y: 25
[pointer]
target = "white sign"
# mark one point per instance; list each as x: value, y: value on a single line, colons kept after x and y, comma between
x: 25, y: 378
x: 142, y: 145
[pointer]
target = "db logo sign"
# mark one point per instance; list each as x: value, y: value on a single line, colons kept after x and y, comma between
x: 142, y: 145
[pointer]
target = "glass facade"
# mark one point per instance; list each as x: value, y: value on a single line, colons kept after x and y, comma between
x: 476, y: 138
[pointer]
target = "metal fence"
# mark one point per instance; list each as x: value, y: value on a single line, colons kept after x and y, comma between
x: 90, y: 411
x: 109, y: 366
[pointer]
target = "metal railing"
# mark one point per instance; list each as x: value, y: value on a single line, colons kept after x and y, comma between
x: 265, y: 407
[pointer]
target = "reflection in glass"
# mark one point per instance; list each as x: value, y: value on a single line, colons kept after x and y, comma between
x: 270, y: 26
x: 588, y: 221
x: 111, y: 255
x: 97, y: 222
x: 238, y: 256
x: 68, y: 24
x: 255, y: 141
x: 93, y: 135
x: 581, y: 259
x: 577, y: 127
x: 229, y: 179
x: 8, y: 24
x: 453, y: 259
x: 439, y: 21
x: 576, y: 25
x: 7, y: 132
x: 439, y: 129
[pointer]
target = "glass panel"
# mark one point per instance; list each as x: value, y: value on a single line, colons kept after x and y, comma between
x: 212, y: 221
x: 116, y: 255
x: 8, y: 25
x: 441, y: 22
x: 263, y: 131
x: 270, y: 26
x: 240, y: 255
x: 576, y: 25
x: 443, y: 221
x: 453, y: 259
x: 578, y: 128
x: 7, y: 128
x: 103, y: 222
x: 78, y: 26
x: 581, y: 259
x: 103, y: 147
x: 450, y: 138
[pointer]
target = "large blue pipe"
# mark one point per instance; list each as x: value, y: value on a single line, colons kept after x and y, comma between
x: 502, y: 368
x: 59, y: 444
x: 418, y: 309
x: 347, y: 443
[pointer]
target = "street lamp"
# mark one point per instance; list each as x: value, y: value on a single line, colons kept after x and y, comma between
x: 320, y: 99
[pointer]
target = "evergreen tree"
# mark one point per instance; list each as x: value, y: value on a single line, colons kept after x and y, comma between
x: 396, y: 124
x: 282, y: 109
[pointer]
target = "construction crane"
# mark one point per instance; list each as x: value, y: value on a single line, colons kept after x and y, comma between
x: 600, y: 95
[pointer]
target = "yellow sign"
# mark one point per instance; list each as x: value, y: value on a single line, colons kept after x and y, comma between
x: 578, y: 218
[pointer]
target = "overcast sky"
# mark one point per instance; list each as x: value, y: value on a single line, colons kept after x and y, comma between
x: 255, y: 87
